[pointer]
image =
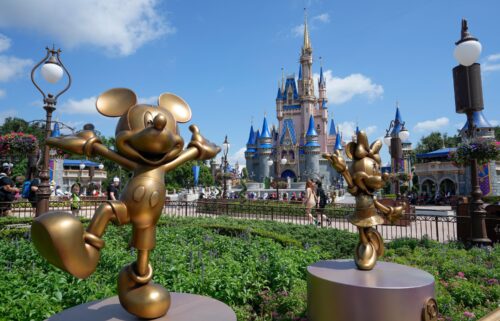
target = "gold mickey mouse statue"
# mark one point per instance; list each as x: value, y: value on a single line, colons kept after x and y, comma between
x: 363, y: 179
x: 147, y: 143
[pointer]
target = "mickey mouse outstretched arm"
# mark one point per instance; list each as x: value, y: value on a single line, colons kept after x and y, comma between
x: 198, y: 148
x: 87, y: 143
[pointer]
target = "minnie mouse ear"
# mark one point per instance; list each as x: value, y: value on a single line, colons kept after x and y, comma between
x: 176, y: 106
x: 115, y: 102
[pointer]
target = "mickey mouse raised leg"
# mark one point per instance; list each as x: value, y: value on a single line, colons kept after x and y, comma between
x: 78, y: 254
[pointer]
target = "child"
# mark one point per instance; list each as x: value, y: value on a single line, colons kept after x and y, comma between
x: 75, y: 199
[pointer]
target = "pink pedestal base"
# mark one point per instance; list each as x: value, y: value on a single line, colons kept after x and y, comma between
x: 338, y: 291
x: 185, y: 307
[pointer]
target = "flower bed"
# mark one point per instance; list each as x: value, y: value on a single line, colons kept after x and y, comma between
x: 257, y: 267
x: 17, y: 144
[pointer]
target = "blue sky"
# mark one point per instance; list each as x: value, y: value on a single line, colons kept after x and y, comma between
x: 225, y: 57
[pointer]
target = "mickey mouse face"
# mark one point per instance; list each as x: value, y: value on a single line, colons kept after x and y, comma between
x: 144, y: 133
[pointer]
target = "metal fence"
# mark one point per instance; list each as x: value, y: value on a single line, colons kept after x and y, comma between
x: 438, y: 227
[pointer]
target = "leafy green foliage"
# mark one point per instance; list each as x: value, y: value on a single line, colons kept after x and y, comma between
x: 182, y: 176
x: 435, y: 141
x: 257, y: 267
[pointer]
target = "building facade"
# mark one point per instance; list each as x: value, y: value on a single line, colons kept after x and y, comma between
x: 438, y: 175
x: 293, y: 149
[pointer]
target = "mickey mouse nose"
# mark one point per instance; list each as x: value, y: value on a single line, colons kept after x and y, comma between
x: 160, y: 121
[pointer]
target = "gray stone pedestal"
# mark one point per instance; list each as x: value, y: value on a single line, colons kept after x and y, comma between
x: 338, y: 291
x: 185, y: 307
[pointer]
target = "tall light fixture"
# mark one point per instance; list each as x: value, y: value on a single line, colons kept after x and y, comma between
x: 469, y: 99
x: 52, y: 70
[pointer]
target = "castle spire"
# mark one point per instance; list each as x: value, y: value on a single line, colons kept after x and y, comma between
x: 311, y: 131
x: 265, y: 133
x: 338, y: 142
x: 307, y: 42
x: 333, y: 130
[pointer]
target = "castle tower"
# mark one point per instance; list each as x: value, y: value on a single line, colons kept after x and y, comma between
x: 251, y: 150
x: 265, y: 148
x: 307, y: 83
x: 312, y: 151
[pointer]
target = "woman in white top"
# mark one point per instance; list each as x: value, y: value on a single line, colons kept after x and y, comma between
x: 310, y: 200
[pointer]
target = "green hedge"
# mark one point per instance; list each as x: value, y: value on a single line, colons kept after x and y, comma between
x: 257, y: 267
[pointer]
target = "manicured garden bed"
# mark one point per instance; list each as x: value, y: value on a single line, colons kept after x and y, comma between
x: 257, y: 267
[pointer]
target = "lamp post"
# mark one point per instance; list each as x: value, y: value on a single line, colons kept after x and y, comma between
x: 469, y: 99
x: 52, y: 71
x: 82, y: 167
x: 395, y: 134
x: 225, y: 147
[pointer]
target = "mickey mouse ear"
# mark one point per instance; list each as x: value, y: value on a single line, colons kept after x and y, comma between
x: 115, y: 102
x: 176, y: 106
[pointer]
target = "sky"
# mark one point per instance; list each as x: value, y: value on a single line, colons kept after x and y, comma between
x: 225, y: 58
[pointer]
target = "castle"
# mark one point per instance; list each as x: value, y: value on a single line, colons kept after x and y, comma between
x: 293, y: 150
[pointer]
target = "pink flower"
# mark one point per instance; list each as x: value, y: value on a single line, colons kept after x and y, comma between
x: 461, y: 275
x: 469, y: 315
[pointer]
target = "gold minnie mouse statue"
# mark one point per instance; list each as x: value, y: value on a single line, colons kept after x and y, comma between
x: 363, y: 179
x: 148, y: 143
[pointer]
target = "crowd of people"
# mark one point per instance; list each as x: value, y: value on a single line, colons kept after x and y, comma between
x: 11, y: 190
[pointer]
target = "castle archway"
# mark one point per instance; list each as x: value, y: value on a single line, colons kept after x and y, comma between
x: 288, y: 173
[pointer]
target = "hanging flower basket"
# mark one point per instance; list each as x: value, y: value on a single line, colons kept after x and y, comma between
x: 483, y: 152
x: 17, y: 144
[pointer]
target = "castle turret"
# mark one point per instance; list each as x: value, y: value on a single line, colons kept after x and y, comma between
x: 307, y: 90
x: 312, y: 151
x: 338, y: 142
x: 322, y: 87
x: 265, y: 148
x: 251, y: 149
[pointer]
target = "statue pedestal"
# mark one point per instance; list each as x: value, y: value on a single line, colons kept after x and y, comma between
x: 185, y: 307
x: 338, y: 291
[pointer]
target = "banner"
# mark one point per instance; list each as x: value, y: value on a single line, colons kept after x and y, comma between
x: 196, y: 174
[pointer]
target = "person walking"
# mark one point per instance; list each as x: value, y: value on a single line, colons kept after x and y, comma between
x: 8, y: 190
x: 113, y: 192
x: 310, y: 200
x: 321, y: 196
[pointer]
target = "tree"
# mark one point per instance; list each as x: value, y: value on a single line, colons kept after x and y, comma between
x: 182, y: 176
x: 435, y: 141
x: 497, y: 133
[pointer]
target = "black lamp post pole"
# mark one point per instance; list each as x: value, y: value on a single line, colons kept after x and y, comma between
x: 50, y: 101
x: 469, y: 99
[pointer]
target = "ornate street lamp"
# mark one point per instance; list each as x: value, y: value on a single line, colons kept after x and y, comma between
x: 52, y: 71
x: 394, y: 136
x: 469, y: 99
x: 225, y: 148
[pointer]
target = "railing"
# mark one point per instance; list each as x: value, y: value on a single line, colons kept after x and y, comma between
x: 438, y: 227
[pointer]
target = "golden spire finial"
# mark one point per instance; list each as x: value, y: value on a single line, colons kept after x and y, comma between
x: 307, y: 43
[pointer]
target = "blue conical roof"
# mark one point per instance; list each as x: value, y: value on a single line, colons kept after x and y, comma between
x: 333, y: 130
x: 279, y: 95
x: 55, y: 132
x: 251, y: 136
x: 338, y: 142
x: 321, y: 78
x: 479, y: 121
x: 300, y: 72
x: 311, y: 131
x: 357, y: 129
x: 265, y: 133
x: 398, y: 123
x: 257, y: 136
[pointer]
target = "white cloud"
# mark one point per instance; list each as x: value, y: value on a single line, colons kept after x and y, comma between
x: 82, y: 106
x: 493, y: 57
x: 238, y: 156
x: 324, y: 17
x: 12, y: 67
x: 298, y: 31
x: 340, y: 90
x: 348, y: 128
x: 430, y: 125
x: 7, y: 113
x: 2, y: 93
x: 119, y: 27
x: 494, y: 122
x: 492, y: 63
x: 4, y: 42
x: 152, y: 100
